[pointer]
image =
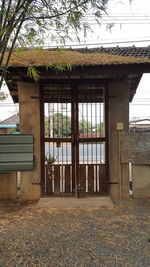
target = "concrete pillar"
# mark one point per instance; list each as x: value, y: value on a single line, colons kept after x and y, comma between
x: 29, y: 112
x: 118, y: 112
x: 8, y: 185
x: 125, y: 181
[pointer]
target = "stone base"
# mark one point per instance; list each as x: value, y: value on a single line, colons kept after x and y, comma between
x: 115, y: 193
x: 34, y: 193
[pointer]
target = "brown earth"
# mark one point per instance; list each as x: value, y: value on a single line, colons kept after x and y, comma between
x: 112, y: 236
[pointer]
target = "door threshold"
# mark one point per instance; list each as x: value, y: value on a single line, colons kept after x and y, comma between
x: 71, y: 202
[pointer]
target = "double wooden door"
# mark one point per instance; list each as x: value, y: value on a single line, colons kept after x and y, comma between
x: 75, y: 140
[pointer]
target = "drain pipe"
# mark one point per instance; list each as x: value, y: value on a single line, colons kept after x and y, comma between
x: 130, y: 180
x: 18, y: 183
x: 119, y: 129
x: 119, y: 165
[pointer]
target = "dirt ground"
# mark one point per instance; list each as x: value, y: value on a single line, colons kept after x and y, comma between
x: 113, y: 236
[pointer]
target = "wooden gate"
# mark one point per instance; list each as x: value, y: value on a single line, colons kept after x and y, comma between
x: 75, y: 138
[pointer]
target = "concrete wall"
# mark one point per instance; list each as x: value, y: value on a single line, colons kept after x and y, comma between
x: 118, y: 112
x: 141, y: 181
x: 29, y: 112
x: 8, y: 185
x: 135, y: 148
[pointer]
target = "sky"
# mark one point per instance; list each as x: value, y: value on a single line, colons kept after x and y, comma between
x: 132, y: 24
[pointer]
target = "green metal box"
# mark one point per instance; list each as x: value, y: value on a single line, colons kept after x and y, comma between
x: 16, y: 152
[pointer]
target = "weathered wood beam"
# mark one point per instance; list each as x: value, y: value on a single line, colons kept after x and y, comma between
x: 14, y: 93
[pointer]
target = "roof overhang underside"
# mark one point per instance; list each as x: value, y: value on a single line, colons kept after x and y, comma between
x: 130, y: 74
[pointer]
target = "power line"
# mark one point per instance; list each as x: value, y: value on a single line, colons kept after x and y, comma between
x: 140, y: 104
x: 114, y: 22
x: 124, y: 19
x: 119, y: 16
x: 94, y: 44
x: 117, y: 19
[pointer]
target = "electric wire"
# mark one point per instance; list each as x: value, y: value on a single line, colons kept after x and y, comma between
x: 94, y: 44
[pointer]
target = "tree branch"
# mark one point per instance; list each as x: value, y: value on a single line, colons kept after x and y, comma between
x: 6, y: 19
x: 10, y: 26
x: 56, y: 15
x: 2, y: 12
x: 14, y: 41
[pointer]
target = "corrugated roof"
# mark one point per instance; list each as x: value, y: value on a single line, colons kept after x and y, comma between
x: 140, y: 121
x: 82, y: 56
x: 11, y: 120
x: 131, y: 51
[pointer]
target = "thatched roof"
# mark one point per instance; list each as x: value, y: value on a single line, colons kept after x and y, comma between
x: 76, y: 58
x: 119, y: 63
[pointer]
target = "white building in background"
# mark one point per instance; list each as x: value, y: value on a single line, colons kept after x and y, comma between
x: 141, y: 125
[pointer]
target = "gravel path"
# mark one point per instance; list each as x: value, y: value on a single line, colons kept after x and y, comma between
x: 115, y: 236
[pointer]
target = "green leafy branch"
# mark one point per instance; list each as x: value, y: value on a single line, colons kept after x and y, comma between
x: 50, y: 159
x: 33, y: 73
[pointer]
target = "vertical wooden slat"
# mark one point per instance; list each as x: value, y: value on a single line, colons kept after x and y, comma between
x: 49, y: 177
x: 107, y: 135
x: 102, y: 181
x: 57, y: 179
x: 64, y: 167
x: 42, y: 135
x: 77, y: 145
x: 97, y: 178
x: 70, y: 178
x: 73, y: 149
x: 90, y: 178
x: 67, y: 179
x: 82, y: 176
x: 86, y: 177
x: 61, y: 178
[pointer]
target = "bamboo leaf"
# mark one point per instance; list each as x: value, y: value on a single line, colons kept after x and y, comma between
x: 49, y: 66
x: 59, y: 68
x: 69, y: 67
x: 32, y: 73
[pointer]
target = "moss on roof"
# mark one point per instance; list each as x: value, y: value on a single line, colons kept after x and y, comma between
x: 44, y: 57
